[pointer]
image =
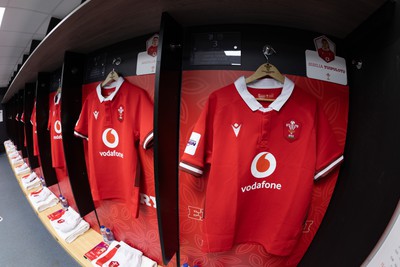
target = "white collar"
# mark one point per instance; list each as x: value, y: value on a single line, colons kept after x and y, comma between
x: 57, y: 98
x: 116, y: 84
x: 253, y: 104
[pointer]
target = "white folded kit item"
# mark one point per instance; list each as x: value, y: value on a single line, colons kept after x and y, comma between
x: 30, y: 181
x: 69, y: 220
x: 39, y: 195
x: 17, y: 161
x: 13, y: 154
x: 32, y: 184
x: 146, y: 262
x: 22, y: 169
x: 119, y: 254
x: 10, y: 148
x: 69, y: 225
x: 26, y: 179
x: 43, y: 199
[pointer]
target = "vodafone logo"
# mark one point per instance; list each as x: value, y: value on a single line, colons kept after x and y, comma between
x: 110, y: 138
x: 57, y: 127
x: 263, y: 165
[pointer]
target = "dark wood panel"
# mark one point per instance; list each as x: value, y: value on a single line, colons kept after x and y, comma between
x: 42, y: 117
x: 166, y: 134
x: 71, y: 103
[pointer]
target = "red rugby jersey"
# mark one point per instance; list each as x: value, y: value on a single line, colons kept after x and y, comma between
x: 115, y: 127
x: 34, y: 131
x: 261, y: 160
x: 54, y: 126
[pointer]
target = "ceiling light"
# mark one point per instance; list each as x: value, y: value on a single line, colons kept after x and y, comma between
x: 2, y: 9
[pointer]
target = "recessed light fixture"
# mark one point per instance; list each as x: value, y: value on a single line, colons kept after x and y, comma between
x: 2, y: 9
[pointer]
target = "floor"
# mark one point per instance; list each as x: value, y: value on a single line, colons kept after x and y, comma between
x: 25, y: 241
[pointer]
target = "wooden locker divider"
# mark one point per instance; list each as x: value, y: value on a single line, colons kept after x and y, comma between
x: 71, y: 99
x: 166, y: 134
x: 42, y: 116
x: 20, y: 125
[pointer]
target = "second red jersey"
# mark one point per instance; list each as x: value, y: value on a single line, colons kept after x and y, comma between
x: 54, y: 126
x: 116, y: 124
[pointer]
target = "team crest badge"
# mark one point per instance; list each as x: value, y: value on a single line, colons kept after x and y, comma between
x: 121, y: 111
x: 291, y: 130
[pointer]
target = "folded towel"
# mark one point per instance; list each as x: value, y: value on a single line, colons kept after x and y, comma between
x: 146, y: 262
x: 28, y: 178
x: 22, y: 169
x: 120, y: 254
x: 33, y: 184
x: 43, y: 199
x: 17, y: 160
x: 68, y: 224
x: 13, y: 155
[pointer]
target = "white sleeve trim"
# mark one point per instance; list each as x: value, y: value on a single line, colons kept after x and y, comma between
x: 190, y: 168
x: 81, y: 136
x: 147, y: 140
x: 328, y: 168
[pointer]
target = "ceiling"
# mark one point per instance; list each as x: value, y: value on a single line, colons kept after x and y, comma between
x: 24, y: 21
x: 98, y: 23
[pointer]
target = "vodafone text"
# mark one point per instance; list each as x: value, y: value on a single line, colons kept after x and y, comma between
x: 262, y: 185
x: 57, y: 137
x: 113, y: 153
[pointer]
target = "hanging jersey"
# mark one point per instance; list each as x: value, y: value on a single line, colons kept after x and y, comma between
x: 34, y: 131
x: 54, y: 126
x: 116, y: 126
x: 261, y: 159
x: 22, y: 119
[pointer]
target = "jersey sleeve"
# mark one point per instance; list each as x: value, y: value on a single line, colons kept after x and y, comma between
x: 194, y: 157
x: 81, y: 126
x: 329, y: 153
x: 146, y: 121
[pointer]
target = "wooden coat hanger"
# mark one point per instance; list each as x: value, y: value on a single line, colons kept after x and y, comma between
x: 266, y: 70
x: 111, y: 77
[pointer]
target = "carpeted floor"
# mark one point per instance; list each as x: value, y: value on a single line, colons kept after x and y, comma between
x: 24, y: 239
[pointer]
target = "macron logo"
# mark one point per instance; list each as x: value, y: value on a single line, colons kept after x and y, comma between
x: 236, y: 128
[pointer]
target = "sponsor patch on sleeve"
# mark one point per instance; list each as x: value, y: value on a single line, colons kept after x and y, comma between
x: 192, y: 143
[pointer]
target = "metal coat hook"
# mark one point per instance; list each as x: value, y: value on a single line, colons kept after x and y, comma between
x: 357, y: 63
x: 116, y: 61
x: 268, y: 51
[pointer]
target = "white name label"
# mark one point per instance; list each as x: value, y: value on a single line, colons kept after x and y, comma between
x: 334, y: 71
